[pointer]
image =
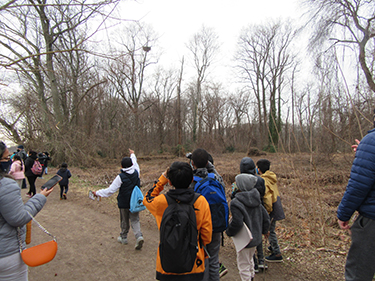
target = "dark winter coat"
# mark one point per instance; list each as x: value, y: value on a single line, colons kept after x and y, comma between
x: 360, y: 191
x: 65, y: 174
x: 29, y: 162
x: 246, y: 207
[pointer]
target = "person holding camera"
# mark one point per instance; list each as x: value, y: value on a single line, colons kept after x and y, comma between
x: 14, y: 215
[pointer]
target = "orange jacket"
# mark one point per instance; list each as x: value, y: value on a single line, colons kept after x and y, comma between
x: 156, y: 203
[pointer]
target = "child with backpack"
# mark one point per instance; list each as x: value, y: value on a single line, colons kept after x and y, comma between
x: 124, y: 183
x: 246, y: 208
x: 64, y: 183
x: 210, y: 184
x: 17, y: 170
x: 272, y: 203
x: 181, y: 254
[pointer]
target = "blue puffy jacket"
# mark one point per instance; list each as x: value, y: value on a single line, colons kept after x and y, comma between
x: 360, y: 191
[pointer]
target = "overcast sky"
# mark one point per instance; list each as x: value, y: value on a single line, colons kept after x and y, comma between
x: 177, y: 21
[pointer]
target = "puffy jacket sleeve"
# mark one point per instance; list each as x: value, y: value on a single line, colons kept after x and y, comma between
x: 360, y: 191
x: 155, y: 203
x: 12, y: 208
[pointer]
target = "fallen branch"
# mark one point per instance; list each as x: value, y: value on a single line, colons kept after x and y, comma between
x: 331, y: 251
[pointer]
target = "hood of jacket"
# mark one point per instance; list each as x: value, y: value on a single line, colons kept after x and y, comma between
x: 271, y: 176
x: 246, y: 182
x: 250, y: 199
x: 247, y: 166
x: 185, y: 195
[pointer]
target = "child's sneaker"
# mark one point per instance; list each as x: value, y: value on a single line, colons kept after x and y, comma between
x: 139, y: 243
x: 122, y: 240
x: 262, y: 265
x: 222, y: 270
x: 64, y: 195
x: 256, y: 268
x: 275, y: 258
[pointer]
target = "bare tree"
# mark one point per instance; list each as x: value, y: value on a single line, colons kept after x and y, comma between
x: 31, y: 34
x: 164, y: 85
x: 178, y: 108
x: 127, y: 72
x: 263, y: 60
x: 348, y: 23
x: 203, y: 46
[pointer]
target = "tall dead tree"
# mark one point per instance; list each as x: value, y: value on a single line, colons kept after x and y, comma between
x: 127, y: 71
x: 203, y: 46
x: 263, y: 60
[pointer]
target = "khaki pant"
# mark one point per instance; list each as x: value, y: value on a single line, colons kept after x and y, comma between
x: 245, y: 263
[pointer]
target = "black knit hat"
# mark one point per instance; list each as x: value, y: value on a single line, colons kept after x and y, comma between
x: 126, y: 162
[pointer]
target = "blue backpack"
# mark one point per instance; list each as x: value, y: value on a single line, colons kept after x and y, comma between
x: 136, y: 201
x: 214, y: 193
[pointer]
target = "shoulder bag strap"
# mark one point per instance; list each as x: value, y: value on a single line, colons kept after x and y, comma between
x: 39, y: 225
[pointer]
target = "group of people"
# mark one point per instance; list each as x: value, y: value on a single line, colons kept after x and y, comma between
x: 20, y: 166
x: 255, y: 202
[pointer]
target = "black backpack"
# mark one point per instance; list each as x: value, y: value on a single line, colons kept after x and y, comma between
x: 178, y: 236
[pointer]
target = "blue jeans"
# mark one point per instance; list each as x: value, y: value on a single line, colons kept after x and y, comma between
x: 63, y: 189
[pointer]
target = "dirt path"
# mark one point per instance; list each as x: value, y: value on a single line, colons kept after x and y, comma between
x: 87, y: 233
